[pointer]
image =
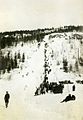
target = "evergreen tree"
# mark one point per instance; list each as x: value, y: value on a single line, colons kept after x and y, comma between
x: 19, y: 55
x: 76, y: 66
x: 8, y: 68
x: 23, y: 57
x: 15, y: 57
x: 12, y: 63
x: 65, y: 65
x: 15, y: 63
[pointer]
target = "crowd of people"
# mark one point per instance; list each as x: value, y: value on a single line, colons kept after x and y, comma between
x: 53, y: 87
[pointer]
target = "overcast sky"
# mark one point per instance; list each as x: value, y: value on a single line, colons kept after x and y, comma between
x: 32, y: 14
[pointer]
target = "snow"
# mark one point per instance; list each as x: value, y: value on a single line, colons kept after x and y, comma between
x: 21, y: 83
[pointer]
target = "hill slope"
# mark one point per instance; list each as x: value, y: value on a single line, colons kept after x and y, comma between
x: 22, y: 81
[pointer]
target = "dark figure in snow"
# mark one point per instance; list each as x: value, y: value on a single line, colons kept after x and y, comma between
x: 73, y: 88
x: 6, y: 98
x: 68, y: 98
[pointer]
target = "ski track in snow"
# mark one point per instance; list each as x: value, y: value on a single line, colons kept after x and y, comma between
x: 22, y: 83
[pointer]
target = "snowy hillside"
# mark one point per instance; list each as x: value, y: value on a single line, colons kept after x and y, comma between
x: 23, y: 79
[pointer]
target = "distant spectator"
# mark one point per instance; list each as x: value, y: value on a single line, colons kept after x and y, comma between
x: 69, y: 98
x: 73, y: 88
x: 6, y: 98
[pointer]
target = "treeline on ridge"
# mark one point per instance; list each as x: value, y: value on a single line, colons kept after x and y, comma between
x: 13, y: 37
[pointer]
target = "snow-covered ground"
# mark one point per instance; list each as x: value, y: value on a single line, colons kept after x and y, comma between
x: 22, y: 82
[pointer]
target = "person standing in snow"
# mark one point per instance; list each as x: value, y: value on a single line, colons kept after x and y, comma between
x: 73, y: 88
x: 6, y: 98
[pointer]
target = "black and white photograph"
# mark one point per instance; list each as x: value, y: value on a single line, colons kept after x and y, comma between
x: 41, y: 59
